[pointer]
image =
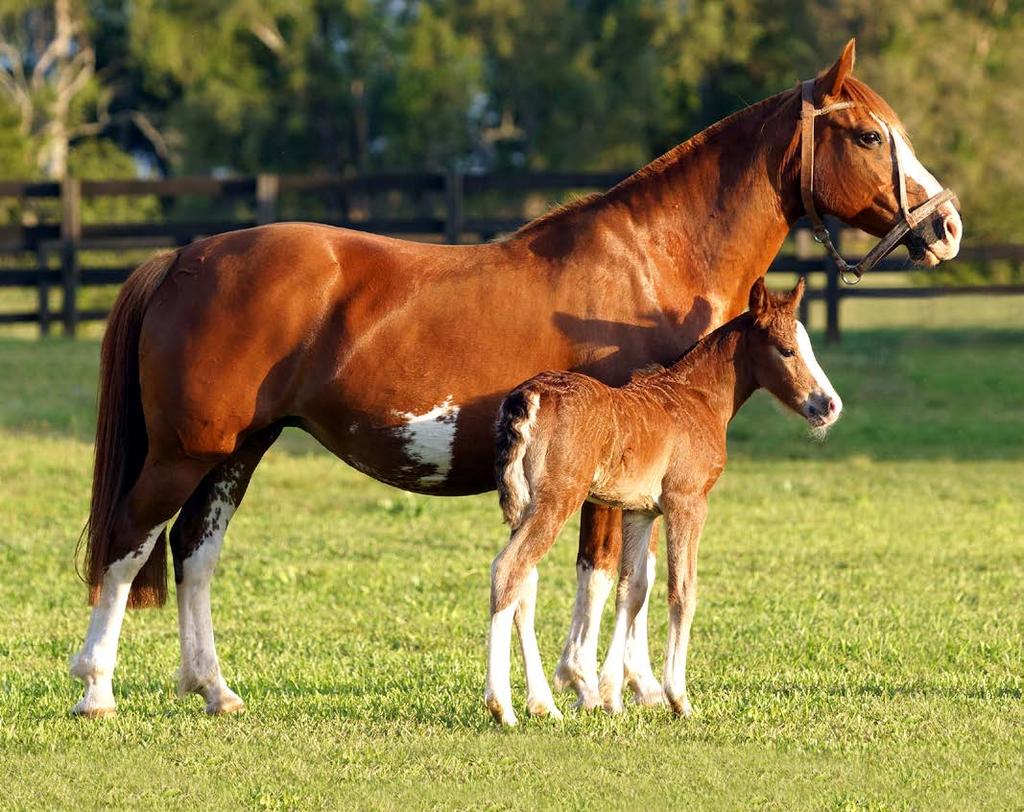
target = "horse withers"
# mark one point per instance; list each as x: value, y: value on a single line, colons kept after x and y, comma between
x: 653, y: 447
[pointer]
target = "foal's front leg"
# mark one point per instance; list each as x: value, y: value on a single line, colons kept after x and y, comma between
x: 685, y: 520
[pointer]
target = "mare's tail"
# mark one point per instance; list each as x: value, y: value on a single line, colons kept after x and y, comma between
x: 121, y: 441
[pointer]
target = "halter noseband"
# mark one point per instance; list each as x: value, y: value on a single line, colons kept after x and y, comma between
x: 909, y: 219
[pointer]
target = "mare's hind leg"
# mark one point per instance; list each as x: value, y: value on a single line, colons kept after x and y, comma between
x: 513, y: 566
x: 599, y: 552
x: 196, y: 540
x: 158, y: 492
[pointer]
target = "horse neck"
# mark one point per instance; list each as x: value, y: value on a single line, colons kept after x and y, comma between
x: 718, y: 206
x: 716, y: 370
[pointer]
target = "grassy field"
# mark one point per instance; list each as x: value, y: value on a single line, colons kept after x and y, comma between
x: 859, y: 643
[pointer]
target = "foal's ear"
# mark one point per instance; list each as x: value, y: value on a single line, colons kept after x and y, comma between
x: 831, y: 82
x: 795, y: 295
x: 759, y: 300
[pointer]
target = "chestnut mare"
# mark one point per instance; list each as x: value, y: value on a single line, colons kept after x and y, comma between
x: 395, y: 355
x: 655, y: 446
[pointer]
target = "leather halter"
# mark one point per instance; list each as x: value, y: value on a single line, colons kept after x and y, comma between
x: 908, y: 220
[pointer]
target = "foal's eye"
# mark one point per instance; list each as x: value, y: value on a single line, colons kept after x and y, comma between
x: 869, y: 138
x: 786, y: 353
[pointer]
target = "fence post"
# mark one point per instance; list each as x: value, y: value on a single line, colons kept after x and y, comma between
x: 43, y: 289
x: 453, y: 198
x: 832, y: 334
x: 267, y: 189
x: 70, y: 234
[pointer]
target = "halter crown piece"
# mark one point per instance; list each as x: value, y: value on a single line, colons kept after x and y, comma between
x: 909, y: 219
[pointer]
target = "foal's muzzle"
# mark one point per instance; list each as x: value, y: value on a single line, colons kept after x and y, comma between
x: 822, y: 410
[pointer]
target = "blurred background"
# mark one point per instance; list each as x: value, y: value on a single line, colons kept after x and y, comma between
x: 452, y: 120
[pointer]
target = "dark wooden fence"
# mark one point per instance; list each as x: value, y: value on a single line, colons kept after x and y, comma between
x: 64, y: 237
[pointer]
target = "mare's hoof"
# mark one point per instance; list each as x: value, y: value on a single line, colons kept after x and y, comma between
x: 83, y: 711
x: 225, y: 706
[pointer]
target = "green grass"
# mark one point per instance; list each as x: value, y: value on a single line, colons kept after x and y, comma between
x: 859, y: 643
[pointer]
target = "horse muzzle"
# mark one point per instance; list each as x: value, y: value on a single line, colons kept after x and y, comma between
x: 937, y: 239
x: 822, y: 410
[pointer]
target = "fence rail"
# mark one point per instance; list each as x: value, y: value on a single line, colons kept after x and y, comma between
x: 65, y: 236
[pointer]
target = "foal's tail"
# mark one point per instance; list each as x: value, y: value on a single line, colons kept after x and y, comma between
x: 121, y: 441
x: 516, y: 419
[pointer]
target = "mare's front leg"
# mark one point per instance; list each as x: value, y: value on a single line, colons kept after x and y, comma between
x: 685, y: 520
x: 599, y: 554
x: 632, y: 595
x: 196, y: 540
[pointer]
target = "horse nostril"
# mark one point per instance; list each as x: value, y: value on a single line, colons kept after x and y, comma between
x: 952, y: 228
x: 831, y: 406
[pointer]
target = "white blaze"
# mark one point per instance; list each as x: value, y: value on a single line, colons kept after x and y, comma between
x: 915, y: 170
x: 803, y: 343
x: 429, y: 438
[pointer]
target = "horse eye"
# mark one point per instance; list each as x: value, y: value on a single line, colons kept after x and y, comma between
x: 786, y: 353
x: 869, y: 138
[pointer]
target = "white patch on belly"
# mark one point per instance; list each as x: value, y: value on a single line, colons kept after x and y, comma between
x: 429, y: 438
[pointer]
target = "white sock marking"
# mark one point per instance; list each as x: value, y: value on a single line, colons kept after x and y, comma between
x: 95, y: 663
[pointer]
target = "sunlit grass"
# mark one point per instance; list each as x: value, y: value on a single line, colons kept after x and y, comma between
x: 859, y: 643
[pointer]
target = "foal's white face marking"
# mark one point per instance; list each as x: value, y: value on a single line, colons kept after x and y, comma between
x: 803, y: 343
x: 915, y: 170
x: 429, y: 438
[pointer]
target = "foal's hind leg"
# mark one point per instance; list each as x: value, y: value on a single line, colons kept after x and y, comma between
x: 158, y: 492
x: 196, y: 540
x: 510, y: 570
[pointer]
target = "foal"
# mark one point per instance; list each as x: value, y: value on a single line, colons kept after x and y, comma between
x: 655, y: 446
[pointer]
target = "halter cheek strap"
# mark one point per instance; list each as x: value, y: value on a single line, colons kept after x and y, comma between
x: 908, y: 219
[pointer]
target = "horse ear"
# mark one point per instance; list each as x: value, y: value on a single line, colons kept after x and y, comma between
x: 759, y: 300
x: 795, y: 295
x: 831, y: 82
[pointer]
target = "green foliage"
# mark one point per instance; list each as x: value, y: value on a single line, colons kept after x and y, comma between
x: 343, y: 85
x: 857, y: 645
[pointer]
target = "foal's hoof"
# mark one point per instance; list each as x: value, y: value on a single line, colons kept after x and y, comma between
x: 649, y: 697
x: 503, y: 717
x: 541, y: 710
x: 681, y: 707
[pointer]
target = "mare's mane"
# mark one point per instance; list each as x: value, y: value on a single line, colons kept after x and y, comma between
x: 853, y: 90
